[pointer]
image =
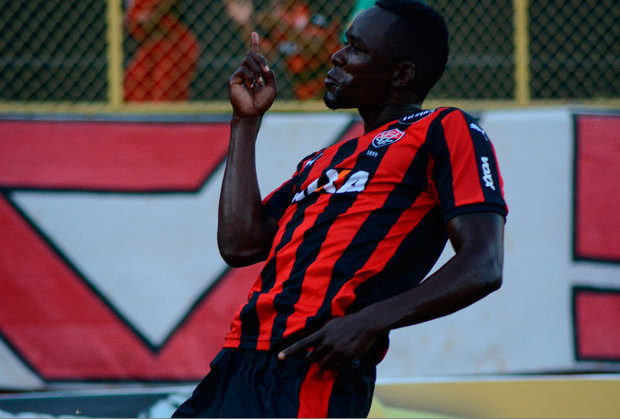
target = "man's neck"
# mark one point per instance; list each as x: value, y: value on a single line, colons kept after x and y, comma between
x: 375, y: 117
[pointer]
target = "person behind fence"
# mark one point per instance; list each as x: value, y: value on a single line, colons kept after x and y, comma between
x: 165, y: 60
x: 292, y: 32
x: 350, y: 238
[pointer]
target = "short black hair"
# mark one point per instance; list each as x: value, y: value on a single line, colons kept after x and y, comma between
x: 421, y: 36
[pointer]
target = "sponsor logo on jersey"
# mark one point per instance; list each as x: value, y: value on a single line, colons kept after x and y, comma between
x: 487, y: 176
x: 387, y: 137
x: 480, y: 130
x: 414, y: 117
x: 335, y: 181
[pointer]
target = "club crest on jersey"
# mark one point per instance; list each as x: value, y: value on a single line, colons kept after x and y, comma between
x: 387, y: 137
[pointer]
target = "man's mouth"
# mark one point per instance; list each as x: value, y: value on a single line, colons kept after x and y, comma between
x: 330, y: 83
x: 331, y: 80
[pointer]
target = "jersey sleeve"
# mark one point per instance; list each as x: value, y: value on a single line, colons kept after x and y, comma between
x: 465, y: 173
x: 278, y: 200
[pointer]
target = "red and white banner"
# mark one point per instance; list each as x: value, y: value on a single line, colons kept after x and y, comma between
x: 109, y: 269
x: 108, y: 261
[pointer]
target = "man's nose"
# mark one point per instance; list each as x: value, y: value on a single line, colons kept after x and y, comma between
x: 337, y: 57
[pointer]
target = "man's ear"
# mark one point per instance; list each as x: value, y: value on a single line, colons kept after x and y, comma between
x: 403, y: 74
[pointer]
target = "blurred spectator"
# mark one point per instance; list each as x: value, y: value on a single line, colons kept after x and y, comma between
x: 290, y: 29
x: 165, y: 60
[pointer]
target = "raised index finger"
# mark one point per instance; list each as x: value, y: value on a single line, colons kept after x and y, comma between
x: 254, y: 42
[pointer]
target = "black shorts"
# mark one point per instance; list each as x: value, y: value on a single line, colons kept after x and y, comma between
x: 250, y: 383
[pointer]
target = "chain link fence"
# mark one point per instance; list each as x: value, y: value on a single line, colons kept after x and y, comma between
x: 53, y: 50
x: 115, y: 53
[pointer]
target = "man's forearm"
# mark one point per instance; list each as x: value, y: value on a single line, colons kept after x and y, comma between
x: 244, y: 232
x: 450, y: 289
x: 474, y: 272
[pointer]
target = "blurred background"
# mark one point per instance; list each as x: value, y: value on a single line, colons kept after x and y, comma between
x: 104, y: 52
x: 113, y: 137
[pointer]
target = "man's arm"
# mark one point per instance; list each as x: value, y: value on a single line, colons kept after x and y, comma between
x: 474, y: 272
x: 244, y: 231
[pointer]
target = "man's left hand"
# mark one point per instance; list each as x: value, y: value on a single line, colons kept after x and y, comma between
x: 336, y: 344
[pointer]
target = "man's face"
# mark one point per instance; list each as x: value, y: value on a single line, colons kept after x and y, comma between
x: 361, y: 76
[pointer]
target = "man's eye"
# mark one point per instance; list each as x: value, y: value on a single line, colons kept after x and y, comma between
x: 352, y: 46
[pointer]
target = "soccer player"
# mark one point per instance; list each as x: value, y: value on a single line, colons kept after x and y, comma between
x: 349, y: 238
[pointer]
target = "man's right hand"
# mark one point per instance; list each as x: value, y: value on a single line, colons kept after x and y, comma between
x: 252, y: 87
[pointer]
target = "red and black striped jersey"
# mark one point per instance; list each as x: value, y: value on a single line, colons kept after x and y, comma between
x: 364, y: 220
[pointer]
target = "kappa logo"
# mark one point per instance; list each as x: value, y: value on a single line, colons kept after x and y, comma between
x: 480, y: 130
x: 311, y: 161
x: 487, y: 176
x: 414, y: 117
x: 387, y: 137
